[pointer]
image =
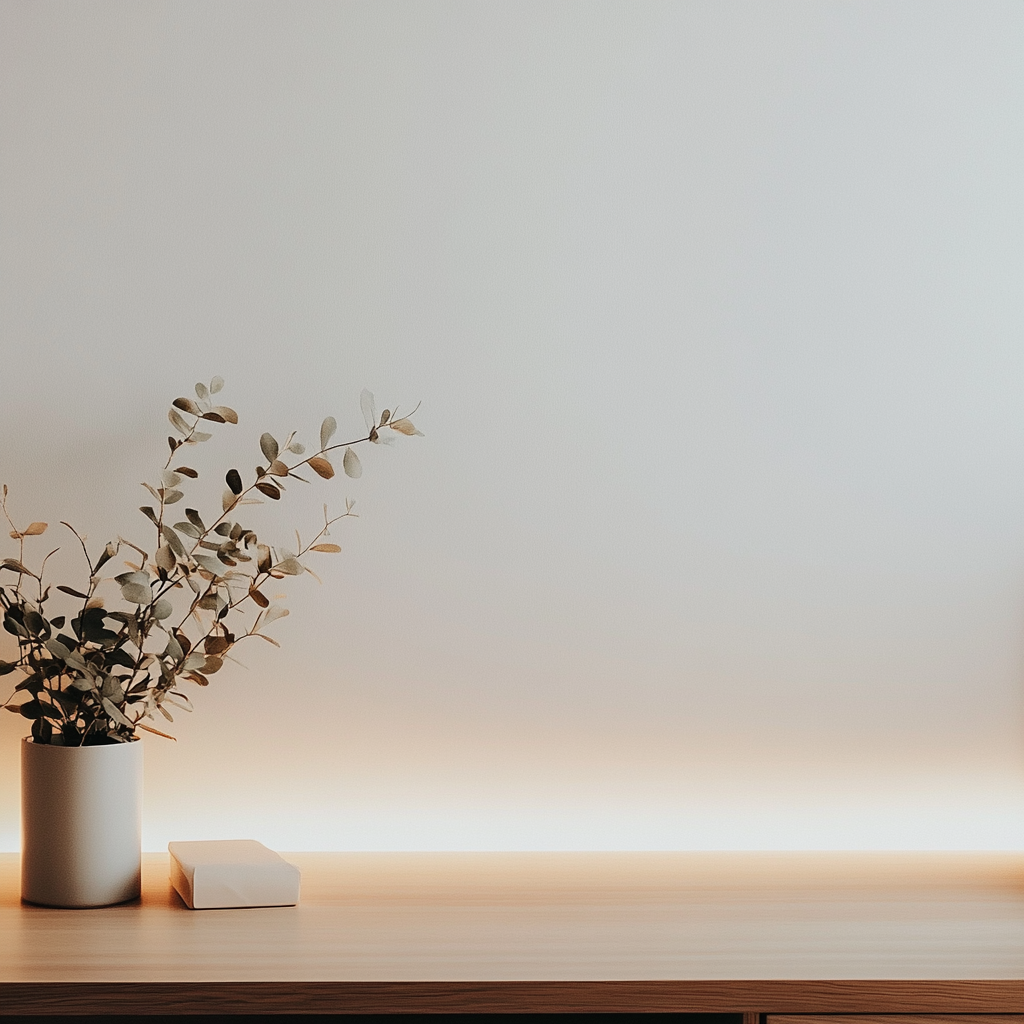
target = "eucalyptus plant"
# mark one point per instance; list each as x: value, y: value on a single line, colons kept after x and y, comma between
x: 143, y: 624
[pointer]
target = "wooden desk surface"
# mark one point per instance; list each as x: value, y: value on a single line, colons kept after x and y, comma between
x: 700, y: 932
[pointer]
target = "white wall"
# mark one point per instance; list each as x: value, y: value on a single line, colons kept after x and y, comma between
x: 716, y: 535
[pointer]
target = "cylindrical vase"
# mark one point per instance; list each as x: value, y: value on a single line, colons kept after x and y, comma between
x: 81, y: 824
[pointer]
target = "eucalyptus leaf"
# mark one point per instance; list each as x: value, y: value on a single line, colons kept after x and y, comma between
x: 353, y: 467
x: 170, y: 497
x: 269, y: 447
x: 216, y: 385
x: 188, y: 530
x: 115, y: 713
x: 321, y: 467
x: 327, y: 431
x: 178, y: 422
x: 162, y: 608
x: 135, y: 593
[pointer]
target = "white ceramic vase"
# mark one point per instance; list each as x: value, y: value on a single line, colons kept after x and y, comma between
x: 81, y: 824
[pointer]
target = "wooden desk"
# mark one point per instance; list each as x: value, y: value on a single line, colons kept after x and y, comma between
x: 386, y: 933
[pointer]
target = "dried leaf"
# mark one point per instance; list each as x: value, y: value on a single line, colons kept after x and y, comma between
x: 193, y: 517
x: 216, y: 385
x: 327, y: 430
x: 258, y: 597
x: 198, y: 677
x: 215, y: 645
x: 149, y: 728
x: 278, y: 468
x: 211, y: 665
x: 267, y: 488
x: 404, y: 426
x: 321, y: 467
x: 186, y: 405
x: 331, y: 549
x: 269, y: 447
x: 269, y: 639
x: 353, y: 467
x: 366, y: 403
x: 263, y: 558
x: 34, y: 529
x: 234, y: 481
x: 177, y: 422
x: 15, y: 566
x: 214, y: 417
x: 274, y: 613
x: 72, y: 592
x: 187, y: 471
x: 226, y: 414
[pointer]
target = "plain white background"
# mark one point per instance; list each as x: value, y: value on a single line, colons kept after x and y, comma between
x: 715, y: 538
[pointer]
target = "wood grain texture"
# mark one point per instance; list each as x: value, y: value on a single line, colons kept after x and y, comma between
x: 376, y: 933
x: 896, y: 1018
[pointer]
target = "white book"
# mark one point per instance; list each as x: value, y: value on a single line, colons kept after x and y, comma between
x: 232, y: 873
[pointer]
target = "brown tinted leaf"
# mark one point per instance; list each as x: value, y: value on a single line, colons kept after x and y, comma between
x: 228, y: 500
x: 177, y: 422
x: 269, y: 447
x: 186, y: 405
x: 278, y: 468
x: 73, y: 593
x: 332, y: 549
x: 34, y: 529
x: 384, y: 417
x: 211, y: 665
x: 269, y: 639
x: 264, y: 561
x: 186, y: 471
x: 194, y: 518
x: 157, y: 732
x: 267, y: 488
x: 198, y: 677
x: 234, y: 481
x: 215, y: 417
x: 353, y: 467
x: 404, y: 426
x: 226, y: 414
x: 321, y: 467
x: 214, y: 645
x: 291, y: 566
x: 15, y: 566
x: 259, y: 598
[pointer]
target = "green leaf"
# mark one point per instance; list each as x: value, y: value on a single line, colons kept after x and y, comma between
x: 269, y: 447
x: 115, y: 713
x: 136, y: 593
x: 170, y: 497
x: 189, y: 530
x: 57, y: 649
x: 162, y: 608
x: 195, y: 519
